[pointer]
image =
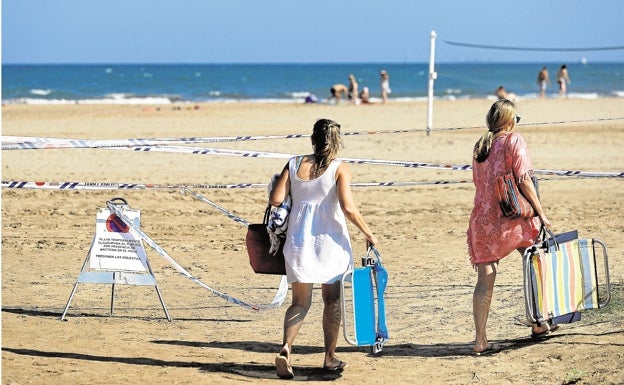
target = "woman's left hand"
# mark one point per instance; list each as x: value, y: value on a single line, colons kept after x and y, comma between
x: 545, y: 222
x: 371, y: 241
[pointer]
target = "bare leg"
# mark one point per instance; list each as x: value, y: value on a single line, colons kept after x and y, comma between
x: 331, y: 322
x: 301, y: 300
x: 481, y: 300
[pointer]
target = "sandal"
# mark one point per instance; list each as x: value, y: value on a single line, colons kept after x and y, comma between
x: 282, y: 364
x: 489, y: 350
x: 541, y: 335
x: 340, y: 366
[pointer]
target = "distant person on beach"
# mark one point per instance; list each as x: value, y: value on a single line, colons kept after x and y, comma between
x: 338, y: 91
x: 384, y: 85
x: 543, y: 80
x: 491, y: 236
x: 501, y: 93
x: 365, y: 95
x: 353, y: 89
x: 563, y: 79
x: 311, y: 99
x: 317, y: 248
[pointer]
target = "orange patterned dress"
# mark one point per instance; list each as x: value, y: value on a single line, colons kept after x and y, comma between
x: 491, y: 237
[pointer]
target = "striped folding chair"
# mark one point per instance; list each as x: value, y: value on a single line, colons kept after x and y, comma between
x: 561, y: 278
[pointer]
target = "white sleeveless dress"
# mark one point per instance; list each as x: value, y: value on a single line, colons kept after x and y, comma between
x: 317, y: 248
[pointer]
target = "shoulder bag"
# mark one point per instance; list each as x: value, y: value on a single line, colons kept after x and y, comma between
x: 258, y: 242
x: 512, y: 203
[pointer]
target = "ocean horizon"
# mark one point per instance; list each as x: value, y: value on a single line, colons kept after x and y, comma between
x: 289, y: 83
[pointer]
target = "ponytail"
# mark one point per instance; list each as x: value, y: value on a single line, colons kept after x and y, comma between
x: 482, y: 148
x: 326, y: 141
x: 501, y: 113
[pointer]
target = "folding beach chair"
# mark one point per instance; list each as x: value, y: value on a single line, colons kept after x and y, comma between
x: 366, y: 303
x: 561, y: 278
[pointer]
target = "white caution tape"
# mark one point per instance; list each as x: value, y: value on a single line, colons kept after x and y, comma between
x: 120, y: 186
x: 101, y: 186
x: 277, y: 301
x: 228, y: 213
x: 380, y: 162
x: 32, y: 143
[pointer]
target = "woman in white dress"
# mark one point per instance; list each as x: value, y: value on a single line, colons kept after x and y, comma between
x: 317, y: 248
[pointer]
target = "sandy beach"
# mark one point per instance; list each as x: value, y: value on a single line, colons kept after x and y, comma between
x: 46, y: 235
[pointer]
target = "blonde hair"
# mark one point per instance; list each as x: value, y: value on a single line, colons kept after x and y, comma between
x: 326, y: 142
x: 500, y: 115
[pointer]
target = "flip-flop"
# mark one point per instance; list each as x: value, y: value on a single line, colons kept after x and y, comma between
x: 341, y: 365
x: 284, y: 370
x: 542, y: 335
x: 488, y: 351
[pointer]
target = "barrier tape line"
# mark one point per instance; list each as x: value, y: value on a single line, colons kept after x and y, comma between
x: 399, y: 163
x: 120, y: 186
x: 228, y: 213
x: 103, y: 186
x: 36, y: 143
x: 277, y: 301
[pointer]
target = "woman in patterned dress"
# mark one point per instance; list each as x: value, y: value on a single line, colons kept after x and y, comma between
x: 491, y: 236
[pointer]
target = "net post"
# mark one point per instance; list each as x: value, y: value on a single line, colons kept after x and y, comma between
x: 432, y: 77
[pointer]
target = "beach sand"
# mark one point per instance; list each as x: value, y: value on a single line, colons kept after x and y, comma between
x: 46, y: 235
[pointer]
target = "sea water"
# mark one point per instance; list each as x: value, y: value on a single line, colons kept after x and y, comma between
x: 289, y: 83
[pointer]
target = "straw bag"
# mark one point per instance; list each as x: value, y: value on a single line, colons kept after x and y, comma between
x: 259, y: 249
x: 512, y: 203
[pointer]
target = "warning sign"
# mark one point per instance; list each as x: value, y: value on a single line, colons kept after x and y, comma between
x: 114, y: 247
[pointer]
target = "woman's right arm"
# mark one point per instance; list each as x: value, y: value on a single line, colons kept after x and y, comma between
x: 281, y: 189
x: 345, y: 197
x: 528, y: 190
x: 522, y: 166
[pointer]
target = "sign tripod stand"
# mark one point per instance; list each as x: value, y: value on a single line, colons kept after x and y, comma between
x: 116, y: 257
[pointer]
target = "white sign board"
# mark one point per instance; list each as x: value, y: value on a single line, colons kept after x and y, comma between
x: 114, y: 247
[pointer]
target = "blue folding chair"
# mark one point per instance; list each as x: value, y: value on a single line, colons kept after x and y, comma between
x: 366, y: 301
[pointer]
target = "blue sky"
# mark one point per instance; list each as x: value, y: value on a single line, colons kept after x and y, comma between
x: 301, y: 31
